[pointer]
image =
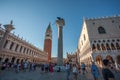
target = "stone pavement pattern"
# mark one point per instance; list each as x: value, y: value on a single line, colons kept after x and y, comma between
x: 37, y: 75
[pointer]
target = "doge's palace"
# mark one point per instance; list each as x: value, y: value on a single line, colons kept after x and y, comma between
x: 100, y: 39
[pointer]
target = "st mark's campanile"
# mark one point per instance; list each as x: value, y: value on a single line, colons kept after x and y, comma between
x: 48, y: 41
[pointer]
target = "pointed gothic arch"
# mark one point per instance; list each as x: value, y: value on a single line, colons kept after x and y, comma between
x: 93, y: 47
x: 98, y: 47
x: 118, y: 59
x: 103, y: 47
x: 117, y: 46
x: 112, y: 46
x: 107, y: 46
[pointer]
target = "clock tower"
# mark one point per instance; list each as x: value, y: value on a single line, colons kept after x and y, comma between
x: 48, y: 41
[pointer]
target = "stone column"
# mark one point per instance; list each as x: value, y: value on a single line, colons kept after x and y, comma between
x: 60, y: 23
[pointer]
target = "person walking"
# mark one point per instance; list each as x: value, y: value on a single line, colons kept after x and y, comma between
x: 67, y: 67
x: 83, y: 68
x: 95, y: 71
x: 51, y: 68
x: 75, y: 71
x: 107, y: 74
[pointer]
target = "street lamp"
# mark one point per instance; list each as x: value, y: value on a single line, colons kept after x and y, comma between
x: 8, y: 28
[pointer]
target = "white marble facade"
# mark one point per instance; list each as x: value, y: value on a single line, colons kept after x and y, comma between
x: 100, y: 39
x: 17, y: 50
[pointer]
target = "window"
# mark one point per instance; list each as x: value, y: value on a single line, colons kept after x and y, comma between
x: 81, y: 42
x: 113, y: 21
x: 84, y: 37
x: 94, y: 23
x: 6, y: 43
x: 101, y: 30
x: 16, y: 47
x: 21, y: 49
x: 47, y: 35
x: 24, y: 50
x: 11, y: 45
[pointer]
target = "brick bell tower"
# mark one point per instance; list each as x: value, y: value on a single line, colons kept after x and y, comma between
x: 48, y: 42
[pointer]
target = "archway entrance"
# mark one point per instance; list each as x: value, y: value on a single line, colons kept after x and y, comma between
x: 0, y: 59
x: 17, y: 61
x: 6, y: 60
x: 99, y: 60
x: 22, y: 61
x: 13, y: 59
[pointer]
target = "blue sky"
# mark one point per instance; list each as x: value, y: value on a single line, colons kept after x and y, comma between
x: 31, y: 18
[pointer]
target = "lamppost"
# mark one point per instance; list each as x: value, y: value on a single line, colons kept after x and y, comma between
x: 60, y: 23
x: 8, y: 28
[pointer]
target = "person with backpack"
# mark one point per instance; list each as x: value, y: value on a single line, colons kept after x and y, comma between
x: 95, y: 71
x: 83, y: 68
x: 106, y: 72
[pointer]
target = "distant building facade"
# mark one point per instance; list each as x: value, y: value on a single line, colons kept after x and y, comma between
x: 54, y: 60
x: 100, y: 39
x: 16, y: 50
x: 72, y: 58
x: 48, y: 42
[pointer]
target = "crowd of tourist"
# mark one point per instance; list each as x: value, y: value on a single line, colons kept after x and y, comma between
x: 107, y: 70
x: 17, y: 67
x: 27, y: 67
